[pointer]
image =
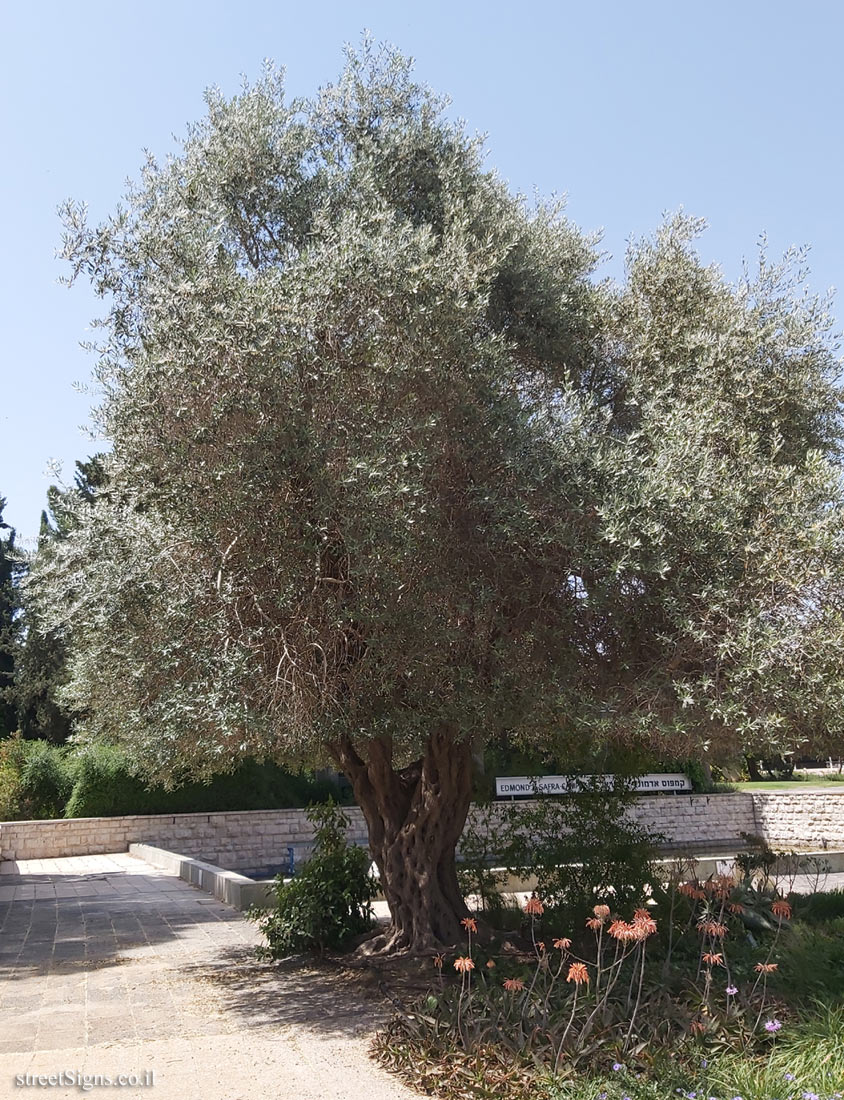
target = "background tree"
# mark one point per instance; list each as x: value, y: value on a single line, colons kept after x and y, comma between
x: 10, y: 569
x: 41, y: 662
x: 716, y: 583
x: 391, y: 475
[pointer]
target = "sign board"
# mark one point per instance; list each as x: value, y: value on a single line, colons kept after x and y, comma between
x: 524, y: 786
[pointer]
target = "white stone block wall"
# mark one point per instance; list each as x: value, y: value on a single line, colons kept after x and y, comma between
x: 255, y: 838
x: 248, y: 838
x: 809, y: 820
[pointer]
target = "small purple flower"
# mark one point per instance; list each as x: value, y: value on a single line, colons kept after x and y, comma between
x: 731, y: 990
x: 772, y: 1025
x: 704, y: 1063
x: 788, y: 1076
x: 617, y: 1066
x: 811, y: 1096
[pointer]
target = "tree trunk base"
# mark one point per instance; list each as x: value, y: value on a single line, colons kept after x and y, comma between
x: 415, y: 817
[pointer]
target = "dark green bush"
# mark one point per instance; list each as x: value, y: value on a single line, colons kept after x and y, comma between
x: 819, y: 907
x: 40, y: 780
x: 329, y: 901
x: 45, y: 778
x: 582, y: 849
x: 105, y: 787
x: 811, y: 964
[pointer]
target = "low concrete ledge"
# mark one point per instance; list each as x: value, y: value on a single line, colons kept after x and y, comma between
x: 245, y: 893
x: 702, y: 866
x: 228, y: 886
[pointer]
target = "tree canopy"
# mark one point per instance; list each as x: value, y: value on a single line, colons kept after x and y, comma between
x: 393, y: 472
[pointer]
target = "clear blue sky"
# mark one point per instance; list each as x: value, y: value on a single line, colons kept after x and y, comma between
x: 732, y: 110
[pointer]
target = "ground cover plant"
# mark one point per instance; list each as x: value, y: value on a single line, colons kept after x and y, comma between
x: 716, y: 988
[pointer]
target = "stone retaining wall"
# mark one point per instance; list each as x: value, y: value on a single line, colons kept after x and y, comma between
x: 255, y: 838
x: 813, y: 819
x: 235, y: 839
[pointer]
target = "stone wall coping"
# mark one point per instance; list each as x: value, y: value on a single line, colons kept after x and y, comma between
x: 204, y: 815
x: 207, y: 815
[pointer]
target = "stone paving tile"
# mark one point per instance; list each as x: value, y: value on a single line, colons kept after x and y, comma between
x: 110, y: 966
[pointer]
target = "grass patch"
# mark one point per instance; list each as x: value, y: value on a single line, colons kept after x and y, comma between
x: 799, y: 781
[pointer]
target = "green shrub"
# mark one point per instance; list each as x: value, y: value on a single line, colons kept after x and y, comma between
x: 811, y: 963
x: 105, y: 786
x: 582, y: 848
x: 41, y: 780
x: 819, y: 907
x: 329, y: 901
x: 35, y: 779
x: 10, y: 778
x: 46, y: 779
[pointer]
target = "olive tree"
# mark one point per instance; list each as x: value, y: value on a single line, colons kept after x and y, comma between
x: 333, y: 526
x: 716, y: 580
x: 392, y: 473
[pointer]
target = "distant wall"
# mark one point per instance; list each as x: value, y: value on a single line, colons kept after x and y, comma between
x: 255, y: 838
x: 247, y: 838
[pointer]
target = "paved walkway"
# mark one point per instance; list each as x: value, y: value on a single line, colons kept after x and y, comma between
x: 109, y: 966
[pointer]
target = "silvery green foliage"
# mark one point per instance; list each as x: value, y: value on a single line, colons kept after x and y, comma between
x: 715, y: 580
x: 385, y: 457
x: 332, y: 342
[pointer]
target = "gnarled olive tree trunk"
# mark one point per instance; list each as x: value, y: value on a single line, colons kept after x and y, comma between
x: 415, y: 816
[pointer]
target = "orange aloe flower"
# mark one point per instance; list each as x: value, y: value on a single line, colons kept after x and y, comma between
x: 723, y: 886
x: 626, y: 933
x: 601, y: 912
x: 713, y: 928
x: 490, y: 964
x: 514, y: 985
x: 534, y: 907
x: 644, y: 923
x: 463, y: 964
x: 438, y: 961
x: 470, y: 924
x: 713, y: 958
x: 781, y: 909
x: 766, y: 968
x: 594, y: 923
x: 578, y: 974
x: 540, y: 945
x: 736, y: 908
x: 563, y: 943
